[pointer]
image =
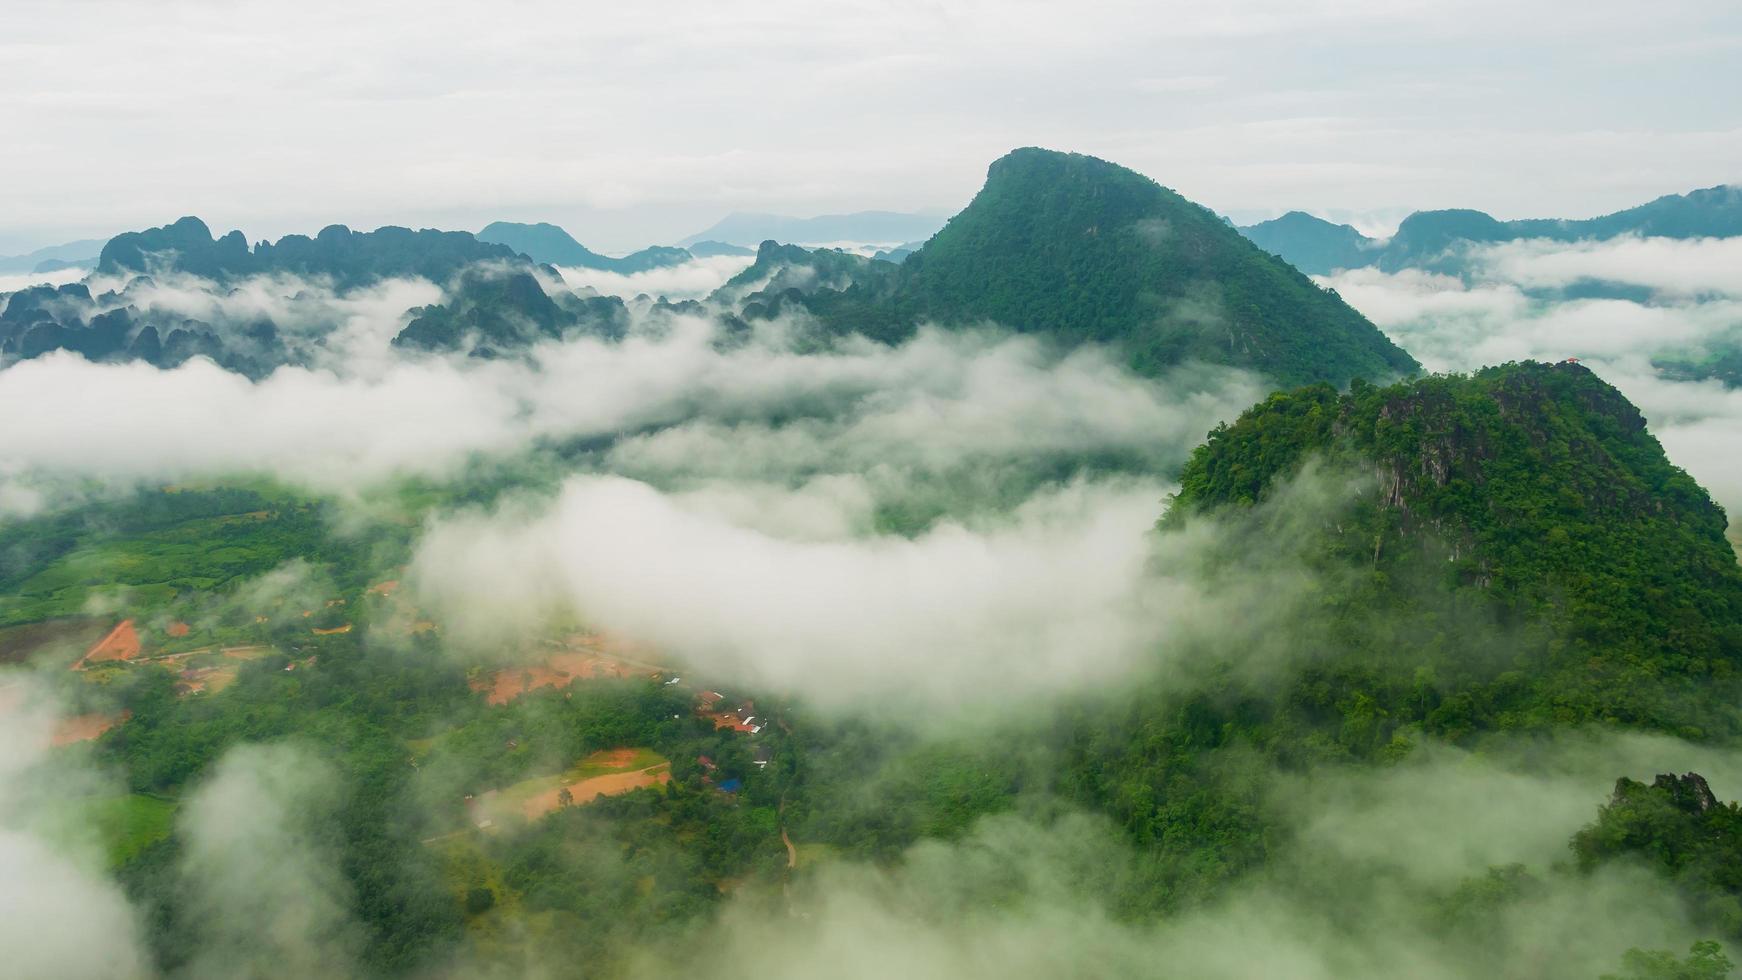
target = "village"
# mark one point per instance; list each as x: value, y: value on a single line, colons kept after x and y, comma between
x: 590, y: 656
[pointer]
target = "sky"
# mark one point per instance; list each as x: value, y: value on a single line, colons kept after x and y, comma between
x: 633, y: 124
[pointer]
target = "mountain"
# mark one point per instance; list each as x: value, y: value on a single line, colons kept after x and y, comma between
x: 860, y: 227
x: 1677, y: 825
x: 1313, y: 245
x: 490, y: 312
x: 80, y: 254
x: 549, y: 244
x: 346, y: 257
x: 790, y: 273
x: 899, y: 253
x: 1437, y: 239
x: 1552, y: 564
x: 712, y: 249
x: 1085, y: 251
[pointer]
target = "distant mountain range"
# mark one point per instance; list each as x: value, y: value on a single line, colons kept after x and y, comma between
x: 551, y: 245
x: 1439, y: 240
x: 859, y: 227
x: 346, y: 257
x: 494, y: 299
x: 79, y: 254
x: 1060, y: 245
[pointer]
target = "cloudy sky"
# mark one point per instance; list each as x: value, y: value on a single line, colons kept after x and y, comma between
x: 636, y: 123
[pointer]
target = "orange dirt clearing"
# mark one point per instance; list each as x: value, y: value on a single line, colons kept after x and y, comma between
x: 337, y: 629
x: 558, y: 671
x: 83, y: 728
x: 588, y: 790
x: 176, y: 629
x: 122, y: 643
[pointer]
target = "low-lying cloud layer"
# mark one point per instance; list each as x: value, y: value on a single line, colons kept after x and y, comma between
x: 940, y: 400
x: 1369, y: 867
x: 11, y: 282
x: 694, y: 279
x: 1616, y: 305
x: 1052, y: 598
x: 60, y: 916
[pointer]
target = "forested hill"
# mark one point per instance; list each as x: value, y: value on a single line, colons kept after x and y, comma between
x: 1531, y: 494
x: 1083, y: 250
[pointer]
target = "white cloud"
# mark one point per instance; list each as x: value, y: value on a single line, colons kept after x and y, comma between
x: 933, y: 402
x: 1055, y: 597
x: 60, y: 916
x: 1676, y: 267
x: 691, y: 280
x: 261, y: 878
x: 1360, y: 890
x: 12, y: 282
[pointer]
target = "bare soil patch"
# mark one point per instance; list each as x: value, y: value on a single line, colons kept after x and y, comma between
x: 122, y: 643
x: 557, y: 670
x: 84, y: 728
x: 587, y: 790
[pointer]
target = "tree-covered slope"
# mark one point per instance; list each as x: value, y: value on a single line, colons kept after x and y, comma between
x: 1085, y: 251
x: 1531, y: 494
x: 493, y: 312
x: 804, y: 277
x: 1678, y: 827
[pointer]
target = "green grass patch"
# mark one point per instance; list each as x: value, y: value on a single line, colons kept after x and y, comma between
x: 129, y: 824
